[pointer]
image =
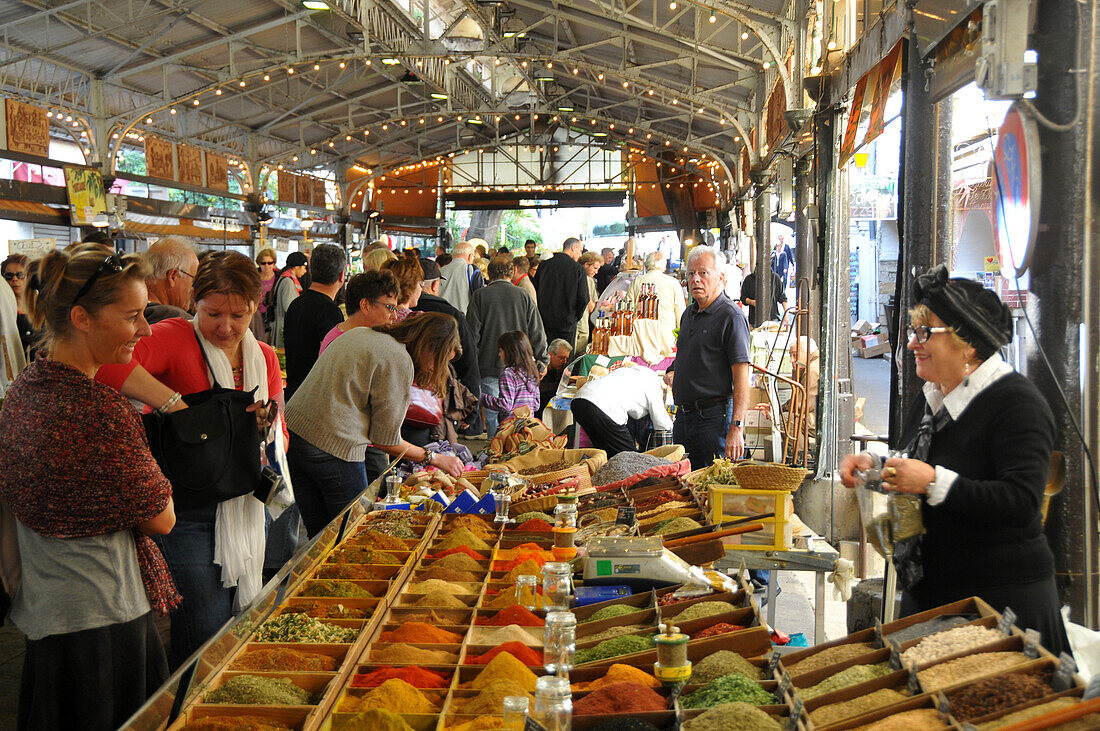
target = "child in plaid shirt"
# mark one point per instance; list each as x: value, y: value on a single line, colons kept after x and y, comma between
x: 519, y: 381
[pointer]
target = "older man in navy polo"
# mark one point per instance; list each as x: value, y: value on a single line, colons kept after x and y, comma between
x: 712, y: 365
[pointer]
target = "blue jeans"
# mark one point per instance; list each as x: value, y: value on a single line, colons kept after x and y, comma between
x: 491, y: 386
x: 323, y: 485
x: 207, y: 605
x: 282, y: 539
x: 700, y: 433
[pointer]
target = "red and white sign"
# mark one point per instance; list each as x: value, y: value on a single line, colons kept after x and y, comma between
x: 1016, y: 189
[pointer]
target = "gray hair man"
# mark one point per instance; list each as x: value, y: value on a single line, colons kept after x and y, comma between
x: 560, y: 352
x: 460, y: 277
x: 711, y: 369
x: 174, y: 264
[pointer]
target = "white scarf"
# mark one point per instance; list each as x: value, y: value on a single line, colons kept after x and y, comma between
x: 239, y: 530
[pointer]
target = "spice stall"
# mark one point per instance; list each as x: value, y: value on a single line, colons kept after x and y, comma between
x: 418, y: 620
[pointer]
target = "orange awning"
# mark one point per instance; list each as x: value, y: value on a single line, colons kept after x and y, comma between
x: 184, y: 228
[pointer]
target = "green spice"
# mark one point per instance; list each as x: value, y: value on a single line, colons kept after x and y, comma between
x: 722, y: 663
x: 614, y: 647
x: 614, y: 632
x: 732, y: 688
x: 732, y: 717
x: 257, y: 690
x: 295, y: 627
x: 359, y: 554
x: 524, y: 517
x: 675, y: 525
x: 849, y: 676
x: 330, y: 588
x: 615, y: 610
x: 703, y: 609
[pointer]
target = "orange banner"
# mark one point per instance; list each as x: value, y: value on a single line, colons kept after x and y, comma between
x: 159, y: 158
x: 848, y: 146
x: 190, y: 164
x: 888, y: 72
x: 28, y: 129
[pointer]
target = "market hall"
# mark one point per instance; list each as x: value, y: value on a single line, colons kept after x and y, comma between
x: 481, y: 364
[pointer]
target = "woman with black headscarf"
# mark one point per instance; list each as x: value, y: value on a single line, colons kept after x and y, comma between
x: 979, y: 440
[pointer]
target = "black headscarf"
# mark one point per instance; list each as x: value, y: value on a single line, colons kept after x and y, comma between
x: 976, y: 313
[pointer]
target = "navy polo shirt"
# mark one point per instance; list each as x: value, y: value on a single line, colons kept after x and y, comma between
x: 710, y: 341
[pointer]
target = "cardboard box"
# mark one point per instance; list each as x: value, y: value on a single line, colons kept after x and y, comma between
x: 862, y: 327
x: 875, y: 351
x: 870, y: 341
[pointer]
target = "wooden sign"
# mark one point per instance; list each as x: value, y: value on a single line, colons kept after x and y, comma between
x: 32, y: 248
x: 217, y: 171
x: 28, y: 128
x: 87, y: 198
x: 777, y: 105
x: 303, y: 190
x: 190, y: 165
x: 286, y: 186
x: 318, y: 192
x: 160, y: 158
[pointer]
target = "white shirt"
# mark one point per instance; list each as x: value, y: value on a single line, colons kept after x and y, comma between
x: 629, y: 392
x: 956, y: 402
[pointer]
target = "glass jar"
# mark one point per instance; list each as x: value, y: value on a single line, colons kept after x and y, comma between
x: 502, y: 496
x: 559, y: 642
x: 393, y: 490
x: 527, y: 591
x: 514, y: 712
x: 557, y: 586
x: 553, y: 703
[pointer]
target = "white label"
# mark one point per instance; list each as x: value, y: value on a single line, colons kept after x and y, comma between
x: 32, y: 248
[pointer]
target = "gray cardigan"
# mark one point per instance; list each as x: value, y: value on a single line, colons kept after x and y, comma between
x: 496, y: 308
x: 355, y: 395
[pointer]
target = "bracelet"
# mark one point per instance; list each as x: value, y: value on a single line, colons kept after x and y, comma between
x: 427, y: 461
x: 170, y: 402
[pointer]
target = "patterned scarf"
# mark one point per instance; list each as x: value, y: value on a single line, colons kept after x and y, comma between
x: 907, y: 551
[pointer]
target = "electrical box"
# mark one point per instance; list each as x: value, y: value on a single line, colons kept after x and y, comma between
x: 1005, y: 68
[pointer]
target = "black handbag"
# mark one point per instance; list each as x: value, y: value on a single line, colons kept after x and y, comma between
x: 209, y: 451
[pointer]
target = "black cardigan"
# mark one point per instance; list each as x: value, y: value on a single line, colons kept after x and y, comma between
x: 989, y: 531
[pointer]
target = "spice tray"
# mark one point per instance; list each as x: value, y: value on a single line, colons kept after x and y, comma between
x: 660, y: 719
x: 1044, y: 669
x: 402, y: 556
x: 407, y: 601
x: 1071, y: 693
x: 778, y: 712
x: 315, y: 683
x: 875, y: 657
x: 355, y: 571
x: 970, y: 606
x: 293, y: 716
x: 369, y: 654
x: 305, y: 603
x: 930, y: 718
x: 642, y: 601
x: 366, y: 668
x: 645, y: 617
x: 928, y: 675
x: 469, y: 588
x: 376, y: 588
x: 350, y: 696
x: 473, y: 648
x: 452, y: 617
x: 336, y: 651
x: 749, y: 643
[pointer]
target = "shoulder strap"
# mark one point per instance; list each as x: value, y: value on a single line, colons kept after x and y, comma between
x: 206, y: 360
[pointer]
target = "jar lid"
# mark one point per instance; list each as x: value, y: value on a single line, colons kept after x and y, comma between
x: 553, y: 686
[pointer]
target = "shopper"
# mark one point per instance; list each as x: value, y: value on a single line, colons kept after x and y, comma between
x: 356, y: 398
x: 287, y: 288
x: 376, y: 257
x: 14, y: 271
x: 616, y: 410
x: 522, y: 277
x: 13, y: 358
x: 216, y: 551
x: 563, y: 292
x: 670, y: 295
x: 590, y: 263
x: 466, y: 364
x: 518, y: 383
x: 86, y: 494
x: 460, y: 277
x: 313, y: 314
x: 607, y: 270
x: 173, y: 262
x: 979, y: 439
x: 410, y: 276
x: 559, y: 353
x: 371, y: 300
x: 748, y: 296
x: 266, y: 262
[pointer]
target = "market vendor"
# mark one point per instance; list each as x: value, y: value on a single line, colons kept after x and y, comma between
x: 607, y: 407
x: 979, y: 440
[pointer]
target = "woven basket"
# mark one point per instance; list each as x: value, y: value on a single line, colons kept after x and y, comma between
x: 769, y: 476
x: 543, y: 504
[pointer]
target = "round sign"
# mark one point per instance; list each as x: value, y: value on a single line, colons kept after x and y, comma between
x: 1015, y: 192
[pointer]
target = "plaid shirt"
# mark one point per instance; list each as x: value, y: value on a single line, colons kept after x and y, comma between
x: 516, y: 389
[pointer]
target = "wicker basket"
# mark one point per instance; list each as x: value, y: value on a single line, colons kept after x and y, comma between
x: 543, y: 504
x: 759, y: 476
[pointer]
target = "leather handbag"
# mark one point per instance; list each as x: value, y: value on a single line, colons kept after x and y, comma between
x: 425, y: 408
x: 209, y: 451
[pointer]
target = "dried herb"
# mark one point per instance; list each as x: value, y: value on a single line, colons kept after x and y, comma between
x: 378, y: 540
x: 703, y: 609
x: 720, y: 663
x: 614, y: 647
x: 848, y: 676
x: 235, y: 723
x: 835, y: 712
x: 296, y: 627
x: 732, y: 688
x: 285, y: 659
x: 732, y: 717
x: 330, y: 588
x: 828, y: 656
x: 614, y: 610
x: 260, y: 691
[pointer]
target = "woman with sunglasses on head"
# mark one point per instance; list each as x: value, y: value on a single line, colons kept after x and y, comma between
x: 266, y: 263
x: 979, y: 440
x: 86, y: 495
x: 216, y: 551
x: 351, y: 407
x: 14, y: 271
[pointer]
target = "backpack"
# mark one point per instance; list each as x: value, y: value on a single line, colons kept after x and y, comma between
x: 271, y: 299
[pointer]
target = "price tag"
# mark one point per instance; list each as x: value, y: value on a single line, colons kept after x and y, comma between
x: 1008, y: 618
x: 783, y: 687
x: 895, y: 654
x: 880, y: 638
x: 943, y: 705
x: 1031, y: 643
x: 773, y: 663
x: 1092, y: 690
x: 625, y: 515
x: 912, y: 684
x: 532, y: 725
x: 674, y: 695
x: 969, y: 727
x: 796, y: 715
x: 1063, y: 675
x: 653, y: 600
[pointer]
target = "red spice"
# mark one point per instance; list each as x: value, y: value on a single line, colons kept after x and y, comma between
x: 422, y: 633
x: 461, y: 549
x: 414, y: 675
x: 534, y: 525
x: 514, y: 614
x: 529, y: 547
x: 719, y: 629
x: 518, y: 650
x: 537, y: 556
x: 620, y: 698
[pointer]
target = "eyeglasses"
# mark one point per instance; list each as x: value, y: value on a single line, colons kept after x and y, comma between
x: 14, y: 275
x: 267, y: 263
x: 923, y: 332
x: 189, y: 274
x: 392, y: 309
x: 112, y: 262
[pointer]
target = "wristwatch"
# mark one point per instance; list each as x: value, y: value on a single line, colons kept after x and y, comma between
x: 737, y: 423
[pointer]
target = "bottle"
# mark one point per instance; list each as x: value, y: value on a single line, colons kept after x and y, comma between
x: 559, y: 642
x: 616, y: 320
x: 628, y: 320
x: 654, y: 302
x: 553, y: 703
x: 514, y: 712
x: 502, y: 496
x: 527, y: 592
x: 557, y: 586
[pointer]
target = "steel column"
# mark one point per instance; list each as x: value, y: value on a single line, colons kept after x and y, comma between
x: 763, y: 268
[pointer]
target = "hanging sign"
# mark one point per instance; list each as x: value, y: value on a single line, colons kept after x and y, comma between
x: 87, y: 198
x: 848, y: 146
x: 318, y: 192
x: 1016, y: 192
x: 286, y: 186
x: 28, y: 128
x: 32, y: 248
x: 217, y: 171
x: 159, y: 158
x: 190, y: 165
x: 304, y: 190
x: 888, y: 72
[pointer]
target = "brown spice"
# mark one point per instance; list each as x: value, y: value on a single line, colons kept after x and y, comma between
x: 420, y: 633
x: 446, y: 574
x: 235, y: 723
x: 827, y: 657
x: 404, y: 654
x: 921, y: 719
x: 284, y: 659
x: 461, y: 537
x: 380, y: 541
x: 835, y: 712
x: 457, y: 562
x: 480, y: 527
x: 997, y: 694
x: 440, y: 598
x: 966, y: 668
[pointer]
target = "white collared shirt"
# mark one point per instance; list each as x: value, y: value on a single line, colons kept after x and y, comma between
x: 956, y: 402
